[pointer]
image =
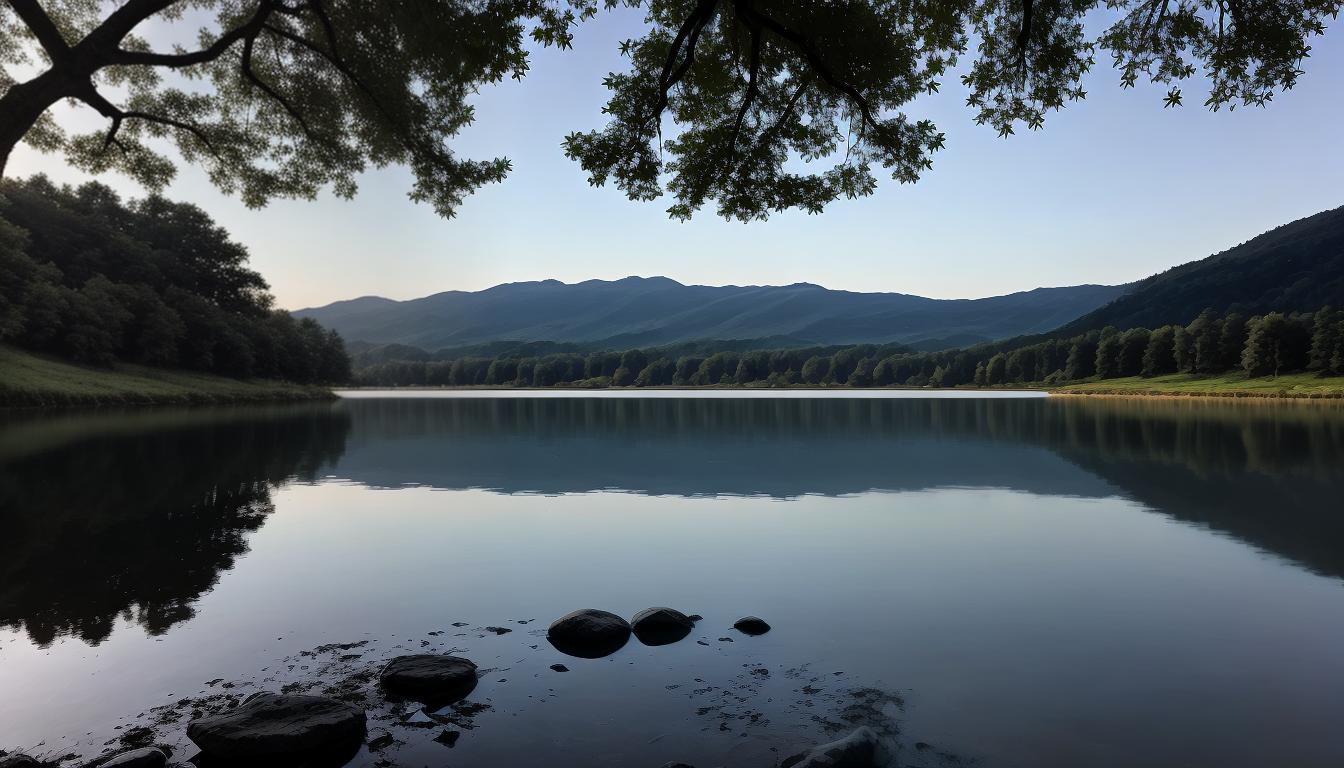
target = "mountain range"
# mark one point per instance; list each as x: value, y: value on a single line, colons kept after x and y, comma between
x: 649, y: 311
x: 1296, y: 267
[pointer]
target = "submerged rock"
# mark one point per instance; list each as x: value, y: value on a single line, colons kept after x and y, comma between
x: 379, y: 740
x: 274, y: 727
x: 589, y: 633
x: 863, y: 748
x: 750, y: 625
x: 429, y: 677
x: 661, y: 626
x: 146, y: 757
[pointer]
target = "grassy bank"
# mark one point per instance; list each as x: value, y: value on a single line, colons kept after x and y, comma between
x: 28, y: 380
x: 1305, y: 385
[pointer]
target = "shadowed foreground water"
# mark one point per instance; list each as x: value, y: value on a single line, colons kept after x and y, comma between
x: 1027, y: 582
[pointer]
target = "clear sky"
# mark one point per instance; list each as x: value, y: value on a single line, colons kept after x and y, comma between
x: 1113, y: 189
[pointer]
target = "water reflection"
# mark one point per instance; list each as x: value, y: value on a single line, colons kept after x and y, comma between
x: 1267, y: 473
x: 140, y: 516
x: 137, y: 514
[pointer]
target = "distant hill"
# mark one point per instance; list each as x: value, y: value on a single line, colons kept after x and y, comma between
x: 1296, y: 267
x: 642, y: 312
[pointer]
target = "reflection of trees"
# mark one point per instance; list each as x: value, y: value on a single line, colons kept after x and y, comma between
x: 137, y: 515
x: 140, y: 522
x: 1270, y: 474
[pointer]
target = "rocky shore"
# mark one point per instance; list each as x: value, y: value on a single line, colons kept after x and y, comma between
x: 355, y: 710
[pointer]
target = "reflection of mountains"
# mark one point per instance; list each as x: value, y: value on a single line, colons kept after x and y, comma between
x: 141, y: 518
x: 688, y: 447
x: 1268, y: 474
x: 137, y: 514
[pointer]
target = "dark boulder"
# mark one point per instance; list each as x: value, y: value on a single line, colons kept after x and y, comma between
x: 863, y: 748
x: 274, y: 728
x: 146, y: 757
x: 661, y: 626
x: 19, y: 761
x: 589, y: 633
x: 429, y: 677
x: 750, y: 625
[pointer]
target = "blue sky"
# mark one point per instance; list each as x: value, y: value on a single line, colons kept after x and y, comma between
x: 1113, y: 189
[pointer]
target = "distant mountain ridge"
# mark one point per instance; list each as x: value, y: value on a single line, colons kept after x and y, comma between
x: 647, y: 311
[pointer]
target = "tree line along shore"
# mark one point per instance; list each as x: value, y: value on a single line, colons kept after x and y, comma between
x: 1272, y: 354
x: 145, y: 301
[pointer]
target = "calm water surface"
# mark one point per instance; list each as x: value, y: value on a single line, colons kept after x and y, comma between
x: 1039, y: 581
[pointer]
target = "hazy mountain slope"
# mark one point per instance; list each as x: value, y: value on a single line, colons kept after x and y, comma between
x: 1296, y: 267
x: 647, y: 311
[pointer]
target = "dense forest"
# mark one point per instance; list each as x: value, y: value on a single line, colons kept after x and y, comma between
x: 1297, y: 267
x: 1264, y: 345
x: 91, y: 278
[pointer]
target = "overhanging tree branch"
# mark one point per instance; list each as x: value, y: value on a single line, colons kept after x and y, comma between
x: 689, y: 35
x: 752, y: 72
x: 203, y: 56
x: 256, y: 80
x: 800, y: 42
x: 31, y: 13
x: 118, y: 115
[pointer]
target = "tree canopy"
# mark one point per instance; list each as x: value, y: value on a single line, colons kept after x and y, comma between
x: 755, y: 106
x: 276, y: 98
x: 88, y: 277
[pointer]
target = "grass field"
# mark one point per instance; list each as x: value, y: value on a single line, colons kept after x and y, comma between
x: 1226, y: 385
x: 31, y: 380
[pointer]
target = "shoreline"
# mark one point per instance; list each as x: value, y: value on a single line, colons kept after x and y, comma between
x: 34, y: 382
x: 784, y: 705
x: 1168, y: 395
x: 1331, y: 389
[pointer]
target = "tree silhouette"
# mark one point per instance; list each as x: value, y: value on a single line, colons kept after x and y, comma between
x: 281, y: 98
x: 753, y: 85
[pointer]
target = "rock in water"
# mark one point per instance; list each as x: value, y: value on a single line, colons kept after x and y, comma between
x: 861, y: 749
x: 429, y: 677
x: 147, y: 757
x: 280, y: 727
x: 589, y: 633
x: 750, y: 625
x: 661, y: 626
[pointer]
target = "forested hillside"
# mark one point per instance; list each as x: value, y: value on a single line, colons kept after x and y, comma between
x: 88, y: 277
x: 1298, y: 267
x: 658, y: 311
x: 1213, y: 343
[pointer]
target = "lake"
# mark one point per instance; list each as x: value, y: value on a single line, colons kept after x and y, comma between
x: 1001, y: 581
